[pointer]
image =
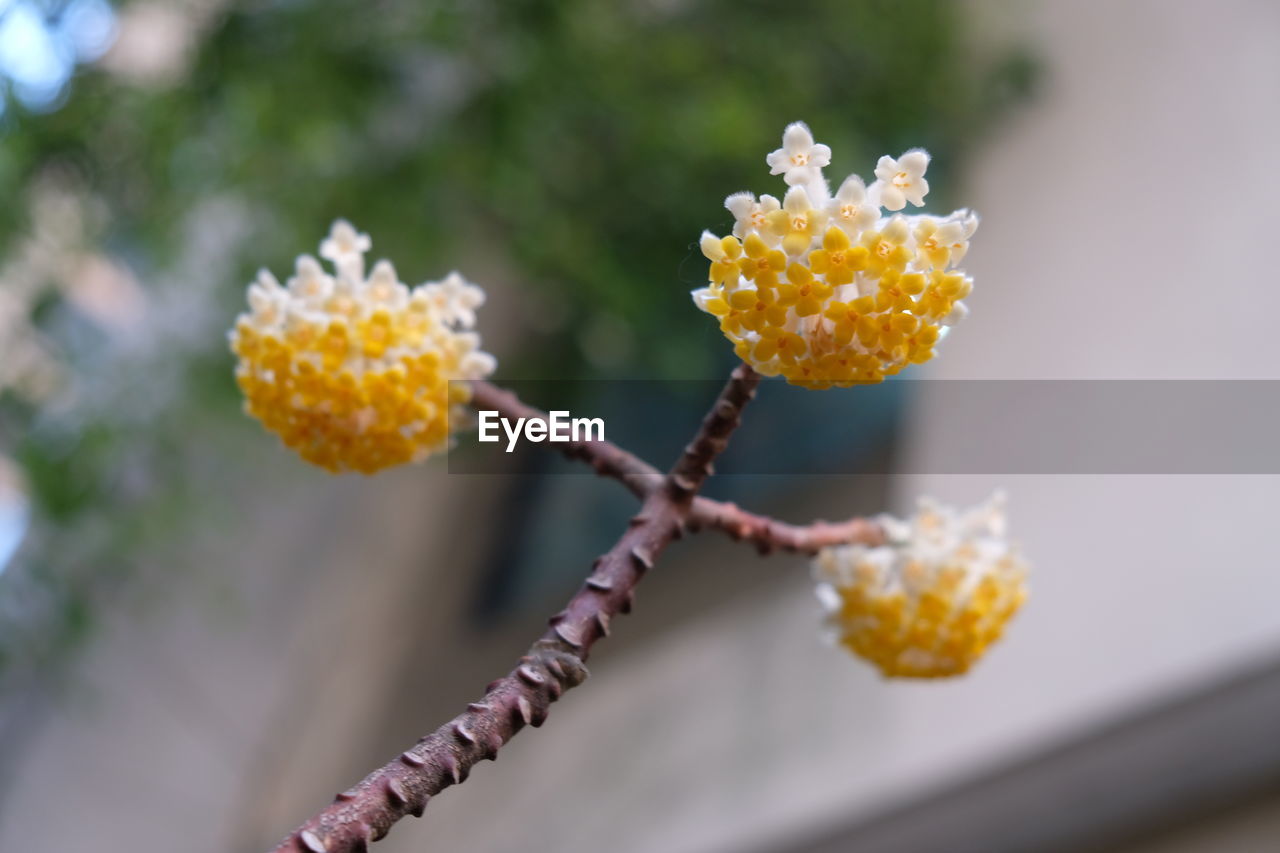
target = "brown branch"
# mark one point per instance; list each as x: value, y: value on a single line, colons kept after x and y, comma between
x: 609, y: 460
x: 553, y: 664
x: 769, y: 534
x: 605, y: 457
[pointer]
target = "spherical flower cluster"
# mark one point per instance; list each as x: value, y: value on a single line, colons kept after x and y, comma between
x: 352, y: 371
x: 823, y: 289
x: 929, y: 602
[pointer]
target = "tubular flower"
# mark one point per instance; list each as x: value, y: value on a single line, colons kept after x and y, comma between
x: 352, y: 371
x: 929, y: 602
x: 800, y: 157
x: 859, y: 296
x: 902, y: 180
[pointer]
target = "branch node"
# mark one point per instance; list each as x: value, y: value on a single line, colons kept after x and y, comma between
x: 569, y: 635
x: 396, y: 792
x: 642, y: 558
x: 530, y: 676
x: 554, y: 663
x: 682, y: 485
x: 312, y: 842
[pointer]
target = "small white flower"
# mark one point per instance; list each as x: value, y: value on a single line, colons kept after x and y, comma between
x: 851, y: 209
x: 467, y: 342
x: 455, y: 299
x: 310, y: 282
x: 268, y: 309
x: 267, y: 279
x: 800, y: 159
x: 345, y: 246
x: 268, y: 300
x: 988, y: 518
x: 938, y: 240
x: 384, y: 287
x: 344, y: 240
x: 478, y: 363
x: 897, y: 531
x: 968, y: 221
x: 751, y: 215
x: 902, y: 180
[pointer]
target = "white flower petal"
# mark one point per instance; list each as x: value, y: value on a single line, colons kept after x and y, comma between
x: 914, y: 162
x: 477, y: 364
x: 886, y: 168
x: 828, y: 597
x: 948, y: 232
x: 853, y: 190
x: 267, y: 280
x: 700, y: 298
x: 798, y: 176
x: 916, y: 191
x: 796, y: 201
x: 740, y: 204
x: 892, y: 198
x: 797, y: 139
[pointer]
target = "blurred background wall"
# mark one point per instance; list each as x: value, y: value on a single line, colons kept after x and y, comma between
x: 228, y: 680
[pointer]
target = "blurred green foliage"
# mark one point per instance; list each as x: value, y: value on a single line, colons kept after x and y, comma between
x: 576, y: 148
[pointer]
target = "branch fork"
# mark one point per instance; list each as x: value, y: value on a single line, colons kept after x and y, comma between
x: 556, y: 662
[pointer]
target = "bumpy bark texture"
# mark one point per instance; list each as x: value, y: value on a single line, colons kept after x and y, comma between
x: 552, y: 665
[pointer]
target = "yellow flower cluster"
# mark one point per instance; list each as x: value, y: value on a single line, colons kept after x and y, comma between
x: 930, y: 602
x: 351, y: 371
x: 824, y: 291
